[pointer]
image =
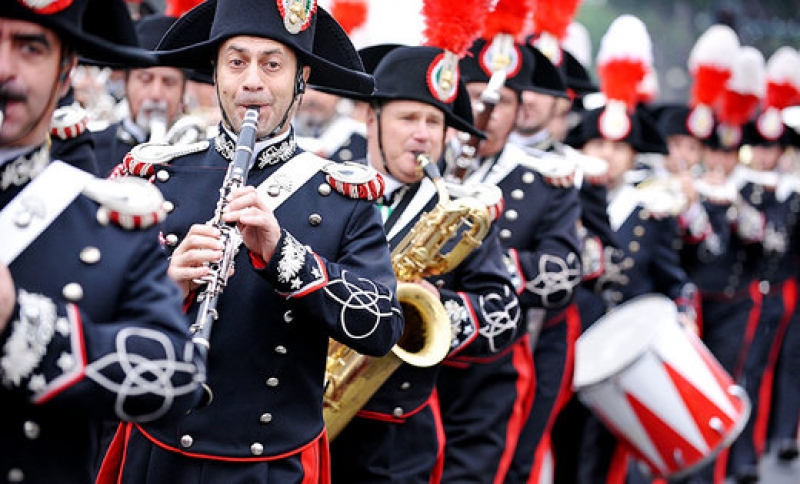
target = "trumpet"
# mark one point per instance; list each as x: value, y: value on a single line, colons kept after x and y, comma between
x: 215, y: 283
x: 352, y: 378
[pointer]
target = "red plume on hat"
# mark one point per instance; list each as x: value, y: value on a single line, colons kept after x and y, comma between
x: 782, y: 91
x: 551, y: 18
x: 743, y: 92
x: 710, y: 65
x: 451, y: 25
x: 624, y: 58
x: 351, y: 14
x: 176, y: 8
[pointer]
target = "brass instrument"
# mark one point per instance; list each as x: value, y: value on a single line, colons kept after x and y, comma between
x: 352, y: 378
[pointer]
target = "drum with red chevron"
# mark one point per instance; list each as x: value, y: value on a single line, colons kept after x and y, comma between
x: 657, y: 387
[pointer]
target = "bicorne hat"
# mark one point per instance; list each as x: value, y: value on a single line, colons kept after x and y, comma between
x: 642, y: 135
x: 316, y: 38
x: 101, y: 31
x: 412, y: 73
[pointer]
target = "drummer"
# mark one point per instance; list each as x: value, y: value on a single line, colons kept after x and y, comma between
x: 646, y: 234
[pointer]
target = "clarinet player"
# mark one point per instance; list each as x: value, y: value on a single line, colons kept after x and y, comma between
x: 313, y: 262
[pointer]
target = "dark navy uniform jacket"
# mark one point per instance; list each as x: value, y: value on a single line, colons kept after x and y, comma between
x: 98, y: 333
x: 538, y: 227
x: 112, y: 144
x: 479, y: 298
x: 648, y: 261
x: 330, y: 277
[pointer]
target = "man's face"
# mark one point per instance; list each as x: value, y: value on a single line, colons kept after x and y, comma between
x: 407, y: 128
x: 766, y: 157
x: 154, y: 92
x: 502, y: 121
x: 30, y: 64
x: 315, y: 112
x: 619, y: 155
x: 535, y: 112
x: 684, y: 153
x: 256, y: 71
x: 721, y: 162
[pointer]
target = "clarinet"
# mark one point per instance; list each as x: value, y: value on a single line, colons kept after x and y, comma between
x: 235, y: 177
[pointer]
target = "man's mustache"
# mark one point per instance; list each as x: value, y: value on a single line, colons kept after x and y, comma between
x: 10, y: 93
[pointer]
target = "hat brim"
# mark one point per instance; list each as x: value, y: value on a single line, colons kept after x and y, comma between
x: 101, y: 39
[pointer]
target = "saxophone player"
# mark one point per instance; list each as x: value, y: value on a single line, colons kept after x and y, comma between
x: 397, y: 436
x: 155, y: 101
x: 313, y: 263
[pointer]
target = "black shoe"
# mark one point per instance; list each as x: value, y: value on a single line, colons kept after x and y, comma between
x: 787, y: 449
x: 747, y: 475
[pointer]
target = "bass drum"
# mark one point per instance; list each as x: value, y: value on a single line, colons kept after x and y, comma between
x: 657, y: 387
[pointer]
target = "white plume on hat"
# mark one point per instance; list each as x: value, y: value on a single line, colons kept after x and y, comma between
x: 626, y: 38
x: 748, y: 72
x: 783, y: 67
x: 578, y: 43
x: 714, y: 47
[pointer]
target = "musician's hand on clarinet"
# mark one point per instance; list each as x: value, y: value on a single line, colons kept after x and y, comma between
x: 189, y: 262
x: 8, y: 297
x: 256, y: 222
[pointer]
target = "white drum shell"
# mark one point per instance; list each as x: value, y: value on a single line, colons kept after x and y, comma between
x: 656, y: 386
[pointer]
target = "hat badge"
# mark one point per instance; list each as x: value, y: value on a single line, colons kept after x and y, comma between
x: 297, y: 14
x: 501, y: 55
x: 614, y: 123
x: 729, y: 135
x: 701, y: 121
x: 443, y: 77
x: 46, y: 7
x: 770, y: 124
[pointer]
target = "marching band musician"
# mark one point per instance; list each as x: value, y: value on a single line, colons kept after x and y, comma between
x: 723, y: 266
x: 313, y: 262
x: 645, y: 262
x: 775, y: 195
x: 553, y: 352
x: 325, y: 127
x: 87, y: 331
x: 485, y: 402
x: 398, y: 437
x: 155, y: 101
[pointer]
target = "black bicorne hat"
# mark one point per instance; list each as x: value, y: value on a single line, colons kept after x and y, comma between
x: 754, y: 136
x: 579, y: 81
x: 547, y: 78
x: 410, y: 73
x: 642, y: 135
x: 101, y: 31
x: 316, y: 38
x: 151, y: 28
x: 476, y: 66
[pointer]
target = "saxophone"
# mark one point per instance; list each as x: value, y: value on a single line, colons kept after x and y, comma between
x: 352, y: 378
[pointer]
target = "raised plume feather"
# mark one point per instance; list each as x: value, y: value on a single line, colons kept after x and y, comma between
x: 624, y: 58
x: 351, y: 14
